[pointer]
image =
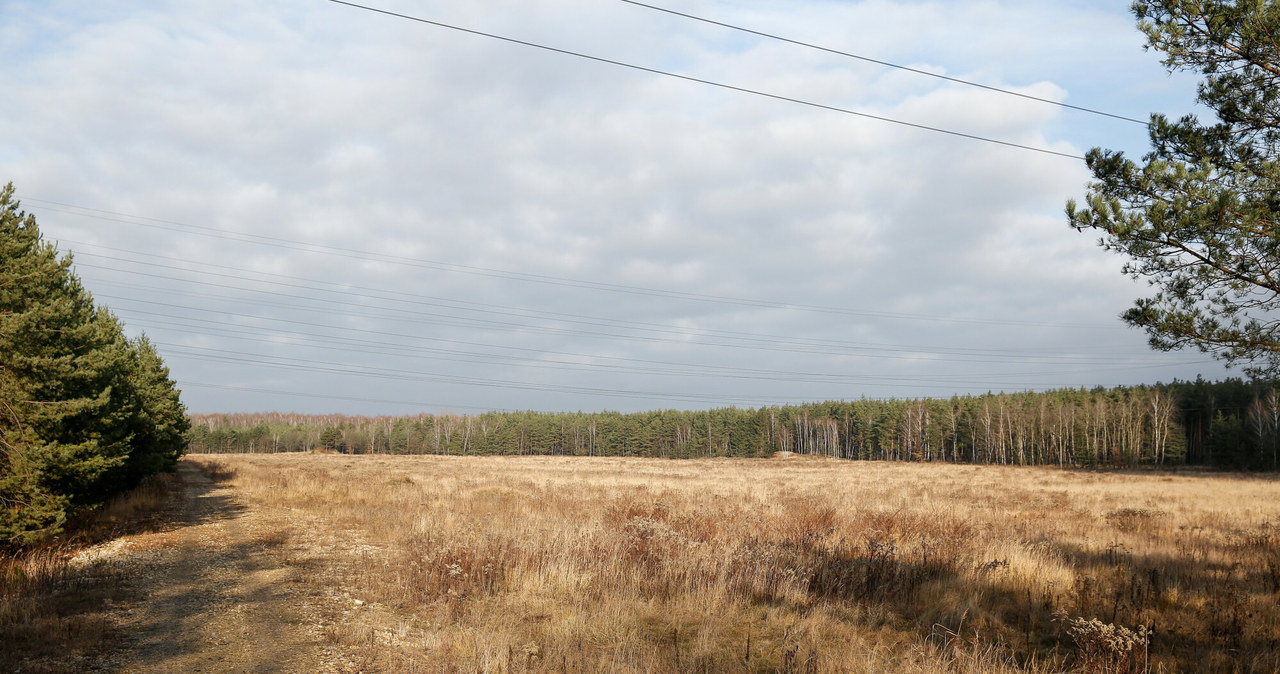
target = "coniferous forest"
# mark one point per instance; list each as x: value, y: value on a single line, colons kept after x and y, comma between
x: 86, y: 412
x: 1232, y: 423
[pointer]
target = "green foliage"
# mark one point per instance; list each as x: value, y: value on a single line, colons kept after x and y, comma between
x: 84, y: 412
x: 331, y: 439
x: 1163, y: 425
x: 1198, y: 217
x: 156, y: 418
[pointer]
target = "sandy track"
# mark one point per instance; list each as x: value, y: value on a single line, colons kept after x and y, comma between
x: 213, y: 592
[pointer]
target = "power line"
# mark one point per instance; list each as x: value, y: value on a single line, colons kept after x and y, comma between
x: 663, y: 333
x: 737, y: 339
x: 688, y: 78
x: 522, y: 357
x: 299, y: 394
x: 742, y: 340
x: 705, y: 338
x: 241, y: 357
x: 351, y: 253
x: 874, y: 352
x: 347, y: 292
x: 868, y: 59
x: 401, y: 374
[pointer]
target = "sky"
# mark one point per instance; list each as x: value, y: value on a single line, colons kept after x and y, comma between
x: 313, y: 207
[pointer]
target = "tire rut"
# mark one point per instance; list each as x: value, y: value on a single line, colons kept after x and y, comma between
x: 214, y: 592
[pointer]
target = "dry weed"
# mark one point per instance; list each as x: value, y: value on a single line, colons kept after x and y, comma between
x: 52, y: 614
x: 541, y: 564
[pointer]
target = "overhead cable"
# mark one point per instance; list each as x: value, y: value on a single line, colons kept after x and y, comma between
x: 737, y: 339
x: 868, y: 59
x: 401, y: 374
x: 348, y: 291
x: 698, y: 80
x: 300, y: 394
x: 351, y: 253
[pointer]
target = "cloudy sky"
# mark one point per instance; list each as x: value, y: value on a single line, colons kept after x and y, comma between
x: 314, y: 207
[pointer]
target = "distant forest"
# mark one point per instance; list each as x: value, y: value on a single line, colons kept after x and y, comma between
x: 1231, y: 423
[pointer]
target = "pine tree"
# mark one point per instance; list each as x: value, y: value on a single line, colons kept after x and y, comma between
x: 156, y: 418
x: 82, y: 411
x: 1198, y: 217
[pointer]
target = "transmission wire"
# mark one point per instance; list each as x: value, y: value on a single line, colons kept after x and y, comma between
x: 868, y: 59
x: 754, y: 92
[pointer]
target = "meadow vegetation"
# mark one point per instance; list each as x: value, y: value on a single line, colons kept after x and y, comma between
x: 53, y: 613
x: 795, y: 564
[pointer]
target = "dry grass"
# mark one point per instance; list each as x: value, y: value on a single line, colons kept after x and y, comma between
x: 540, y: 564
x: 559, y: 564
x: 53, y: 613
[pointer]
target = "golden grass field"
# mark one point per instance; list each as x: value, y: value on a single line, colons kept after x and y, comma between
x: 791, y: 564
x: 558, y: 564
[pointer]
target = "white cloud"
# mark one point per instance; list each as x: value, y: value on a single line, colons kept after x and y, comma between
x: 507, y: 170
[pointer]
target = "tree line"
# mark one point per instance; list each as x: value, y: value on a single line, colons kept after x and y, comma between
x: 85, y: 412
x: 1231, y: 423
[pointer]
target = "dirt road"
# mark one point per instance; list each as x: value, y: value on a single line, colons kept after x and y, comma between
x: 214, y: 591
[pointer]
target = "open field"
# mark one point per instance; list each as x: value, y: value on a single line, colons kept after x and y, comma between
x: 490, y: 564
x: 512, y: 564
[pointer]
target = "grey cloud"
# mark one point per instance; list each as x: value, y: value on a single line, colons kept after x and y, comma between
x: 356, y: 131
